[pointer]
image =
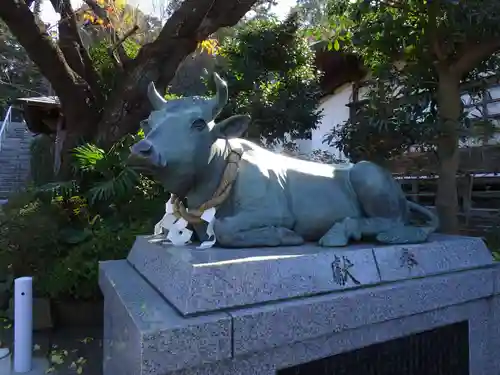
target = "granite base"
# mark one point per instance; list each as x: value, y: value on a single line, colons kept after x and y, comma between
x: 146, y: 333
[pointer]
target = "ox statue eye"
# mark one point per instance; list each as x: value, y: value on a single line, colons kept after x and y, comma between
x: 199, y: 124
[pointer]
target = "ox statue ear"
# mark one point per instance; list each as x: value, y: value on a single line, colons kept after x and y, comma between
x: 232, y: 127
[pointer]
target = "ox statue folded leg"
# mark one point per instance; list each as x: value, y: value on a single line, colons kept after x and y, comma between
x: 262, y: 198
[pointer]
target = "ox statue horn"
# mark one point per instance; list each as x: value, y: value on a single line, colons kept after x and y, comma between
x: 221, y: 95
x: 156, y: 100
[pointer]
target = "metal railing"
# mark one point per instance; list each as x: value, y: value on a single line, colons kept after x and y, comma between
x: 5, y: 124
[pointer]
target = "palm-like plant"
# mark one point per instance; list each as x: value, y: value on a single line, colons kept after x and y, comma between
x: 100, y: 176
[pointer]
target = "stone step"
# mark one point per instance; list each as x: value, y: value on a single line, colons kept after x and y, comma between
x: 11, y: 185
x: 14, y: 149
x: 12, y: 182
x: 6, y: 169
x: 11, y: 174
x: 14, y: 158
x: 22, y: 150
x: 15, y: 146
x: 15, y: 141
x: 14, y: 153
x: 8, y: 186
x: 17, y: 138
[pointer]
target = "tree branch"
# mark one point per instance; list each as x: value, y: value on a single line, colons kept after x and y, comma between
x: 72, y: 46
x: 158, y: 61
x: 74, y: 93
x: 432, y: 32
x: 128, y: 34
x: 20, y: 87
x: 221, y: 15
x: 101, y: 13
x: 38, y: 44
x: 119, y: 43
x: 472, y: 54
x: 395, y: 4
x: 193, y: 27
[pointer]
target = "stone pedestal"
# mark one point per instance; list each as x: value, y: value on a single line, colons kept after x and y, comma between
x: 179, y: 310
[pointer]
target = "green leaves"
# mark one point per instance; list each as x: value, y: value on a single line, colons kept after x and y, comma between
x: 401, y: 42
x: 271, y: 75
x: 101, y: 177
x: 64, y: 189
x: 19, y: 77
x: 73, y: 236
x: 104, y: 64
x: 87, y: 156
x: 114, y: 188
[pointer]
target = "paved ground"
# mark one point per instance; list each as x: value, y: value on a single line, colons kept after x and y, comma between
x: 72, y: 350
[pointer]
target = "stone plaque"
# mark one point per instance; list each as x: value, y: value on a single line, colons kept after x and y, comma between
x: 443, y: 254
x: 196, y: 281
x: 441, y: 351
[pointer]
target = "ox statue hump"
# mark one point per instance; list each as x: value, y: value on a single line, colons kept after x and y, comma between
x: 274, y: 200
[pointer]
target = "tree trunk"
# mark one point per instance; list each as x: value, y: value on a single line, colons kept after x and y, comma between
x: 193, y: 22
x: 70, y: 71
x: 75, y: 93
x: 450, y: 108
x: 127, y: 106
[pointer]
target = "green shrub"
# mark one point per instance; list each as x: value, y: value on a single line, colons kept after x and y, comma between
x: 29, y: 234
x: 60, y: 242
x: 59, y: 232
x: 492, y: 239
x: 75, y: 275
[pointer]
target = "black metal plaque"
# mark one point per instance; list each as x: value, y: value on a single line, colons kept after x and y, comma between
x: 441, y: 351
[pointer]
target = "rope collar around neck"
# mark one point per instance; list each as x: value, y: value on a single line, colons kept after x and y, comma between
x: 193, y: 216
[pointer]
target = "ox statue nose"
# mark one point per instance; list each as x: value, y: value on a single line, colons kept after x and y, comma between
x: 142, y: 148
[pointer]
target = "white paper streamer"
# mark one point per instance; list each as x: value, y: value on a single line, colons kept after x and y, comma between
x: 177, y: 232
x: 209, y: 217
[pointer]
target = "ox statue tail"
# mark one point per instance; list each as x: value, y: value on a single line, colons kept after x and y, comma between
x: 433, y: 223
x: 409, y: 234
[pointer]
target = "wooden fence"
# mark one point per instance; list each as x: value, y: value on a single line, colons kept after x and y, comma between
x: 478, y: 193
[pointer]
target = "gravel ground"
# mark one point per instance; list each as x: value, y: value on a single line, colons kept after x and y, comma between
x: 71, y: 350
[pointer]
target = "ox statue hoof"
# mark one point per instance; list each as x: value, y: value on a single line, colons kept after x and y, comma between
x: 334, y: 240
x: 403, y: 235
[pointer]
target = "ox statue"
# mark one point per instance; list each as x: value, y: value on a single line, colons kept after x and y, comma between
x: 274, y: 200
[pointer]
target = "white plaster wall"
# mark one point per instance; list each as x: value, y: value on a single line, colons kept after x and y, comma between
x: 335, y: 112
